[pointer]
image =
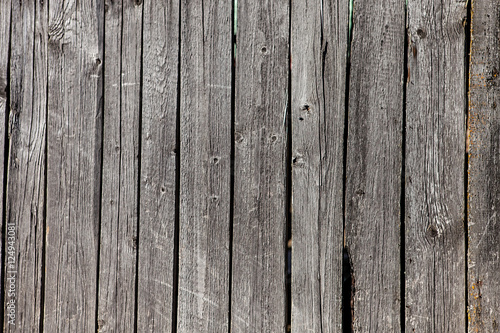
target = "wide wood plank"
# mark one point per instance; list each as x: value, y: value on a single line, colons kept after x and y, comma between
x: 205, y: 130
x: 73, y: 170
x: 258, y: 265
x: 434, y: 217
x: 26, y: 168
x: 319, y: 53
x: 484, y: 169
x: 158, y: 166
x: 374, y: 154
x: 118, y: 242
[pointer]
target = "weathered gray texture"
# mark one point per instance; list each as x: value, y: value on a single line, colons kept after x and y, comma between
x: 26, y: 166
x: 73, y: 170
x: 158, y: 164
x: 205, y: 169
x: 484, y: 169
x: 319, y: 53
x: 374, y: 153
x: 118, y: 243
x: 262, y: 67
x: 434, y: 217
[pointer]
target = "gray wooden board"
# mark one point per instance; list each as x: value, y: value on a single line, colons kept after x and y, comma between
x: 73, y: 171
x: 5, y: 18
x: 374, y: 154
x: 158, y: 166
x: 259, y: 230
x: 435, y: 152
x: 319, y: 53
x: 484, y: 169
x: 205, y: 141
x: 26, y: 168
x: 118, y: 242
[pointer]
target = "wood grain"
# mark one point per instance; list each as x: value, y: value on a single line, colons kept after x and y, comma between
x: 205, y: 133
x: 25, y: 200
x: 74, y: 161
x: 319, y: 53
x: 118, y: 242
x: 374, y: 163
x: 158, y: 166
x: 434, y: 217
x: 259, y: 230
x: 484, y: 169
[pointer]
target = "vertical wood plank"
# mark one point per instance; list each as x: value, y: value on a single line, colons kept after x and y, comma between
x: 74, y: 166
x: 205, y: 130
x: 158, y: 166
x: 26, y: 168
x: 319, y: 51
x: 374, y: 153
x: 434, y: 217
x: 258, y: 265
x: 118, y: 248
x: 484, y: 169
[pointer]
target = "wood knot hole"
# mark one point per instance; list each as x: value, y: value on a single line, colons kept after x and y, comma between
x: 421, y: 33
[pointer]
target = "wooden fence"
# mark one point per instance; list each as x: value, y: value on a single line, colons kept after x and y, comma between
x: 313, y: 166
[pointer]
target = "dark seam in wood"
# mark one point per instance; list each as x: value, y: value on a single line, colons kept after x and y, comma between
x: 136, y: 304
x: 175, y: 285
x: 231, y: 164
x: 101, y: 162
x: 402, y: 207
x: 467, y: 52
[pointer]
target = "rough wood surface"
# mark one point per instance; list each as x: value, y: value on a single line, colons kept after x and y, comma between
x: 374, y: 153
x: 158, y: 166
x: 434, y: 217
x: 319, y: 53
x: 258, y: 265
x: 484, y: 169
x: 118, y: 242
x: 73, y: 170
x: 25, y: 200
x: 205, y: 168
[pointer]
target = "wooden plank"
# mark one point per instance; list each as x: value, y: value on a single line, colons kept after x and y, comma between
x: 259, y: 230
x: 434, y: 217
x: 484, y: 169
x: 118, y: 248
x: 158, y: 166
x: 26, y: 168
x: 73, y: 169
x: 5, y: 30
x: 374, y: 154
x: 319, y: 53
x: 205, y: 129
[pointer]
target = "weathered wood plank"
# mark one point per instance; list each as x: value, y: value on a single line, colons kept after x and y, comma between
x: 158, y: 166
x: 319, y: 53
x: 434, y: 217
x: 205, y: 130
x: 484, y: 169
x: 26, y: 168
x: 374, y: 154
x: 258, y: 266
x: 118, y: 248
x: 73, y: 169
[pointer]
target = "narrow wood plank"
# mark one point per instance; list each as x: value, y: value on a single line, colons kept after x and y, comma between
x: 158, y: 163
x: 484, y: 169
x: 26, y: 168
x: 319, y: 53
x: 374, y: 154
x: 118, y: 248
x: 5, y: 20
x: 258, y: 266
x: 73, y: 170
x: 205, y: 129
x: 434, y: 217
